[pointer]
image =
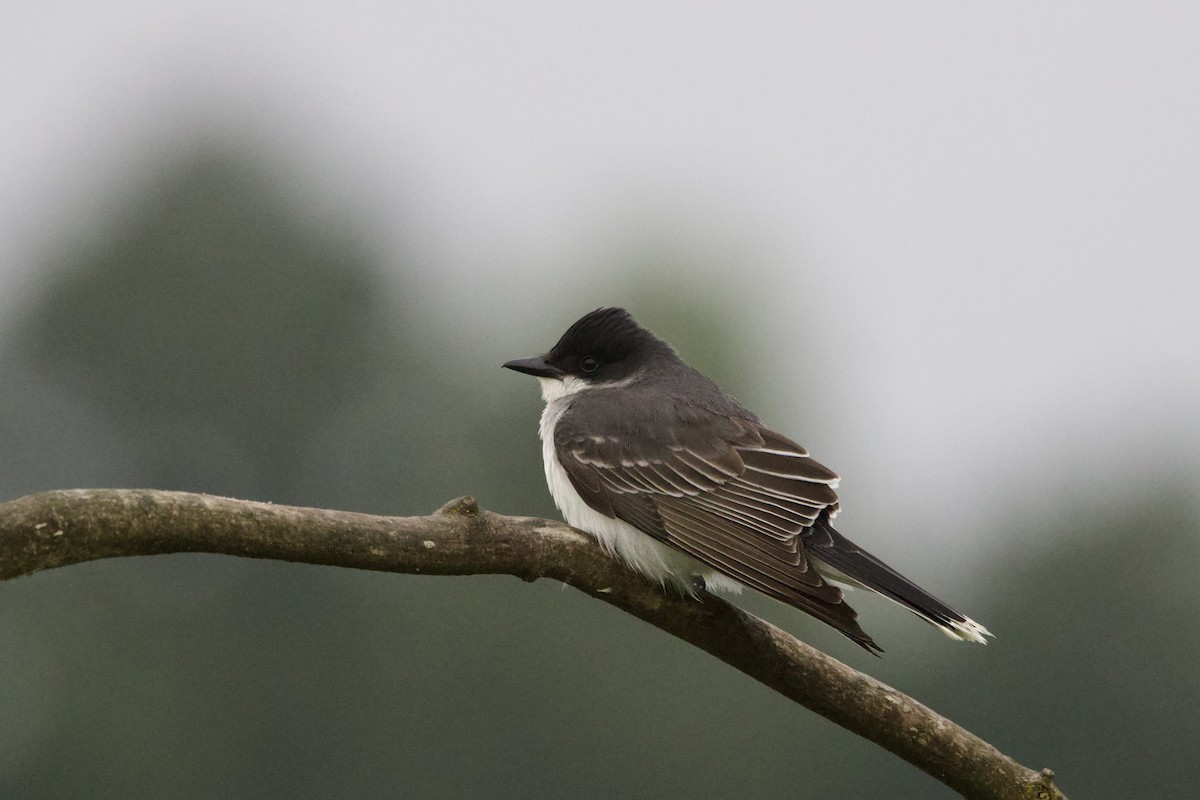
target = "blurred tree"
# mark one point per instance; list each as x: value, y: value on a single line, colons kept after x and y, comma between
x: 1093, y: 671
x: 1098, y: 675
x: 218, y: 341
x: 213, y: 340
x: 216, y: 331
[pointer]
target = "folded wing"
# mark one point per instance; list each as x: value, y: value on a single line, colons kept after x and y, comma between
x: 725, y: 490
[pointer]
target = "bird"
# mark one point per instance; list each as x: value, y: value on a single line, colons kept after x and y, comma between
x: 681, y: 482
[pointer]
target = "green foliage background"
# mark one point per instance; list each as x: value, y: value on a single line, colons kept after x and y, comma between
x: 217, y: 341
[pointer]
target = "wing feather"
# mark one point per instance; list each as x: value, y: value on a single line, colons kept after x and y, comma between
x: 788, y: 552
x: 723, y: 489
x: 765, y: 523
x: 687, y: 523
x: 786, y: 507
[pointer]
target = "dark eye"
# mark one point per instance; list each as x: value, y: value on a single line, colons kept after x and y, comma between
x: 589, y: 364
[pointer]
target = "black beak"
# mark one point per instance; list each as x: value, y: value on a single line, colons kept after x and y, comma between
x: 535, y: 366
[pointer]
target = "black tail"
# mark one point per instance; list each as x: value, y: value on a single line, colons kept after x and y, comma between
x: 829, y: 547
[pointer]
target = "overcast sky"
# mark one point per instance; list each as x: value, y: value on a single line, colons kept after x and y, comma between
x: 986, y: 216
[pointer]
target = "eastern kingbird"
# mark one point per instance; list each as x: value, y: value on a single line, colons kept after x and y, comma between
x: 675, y: 477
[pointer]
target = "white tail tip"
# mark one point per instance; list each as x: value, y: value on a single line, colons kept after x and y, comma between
x: 967, y: 631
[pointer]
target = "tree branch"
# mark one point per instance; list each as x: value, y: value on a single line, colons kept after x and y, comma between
x: 54, y: 529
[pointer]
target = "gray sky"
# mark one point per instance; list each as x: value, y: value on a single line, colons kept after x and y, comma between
x: 985, y: 216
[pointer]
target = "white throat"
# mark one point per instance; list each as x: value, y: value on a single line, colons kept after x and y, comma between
x: 554, y: 389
